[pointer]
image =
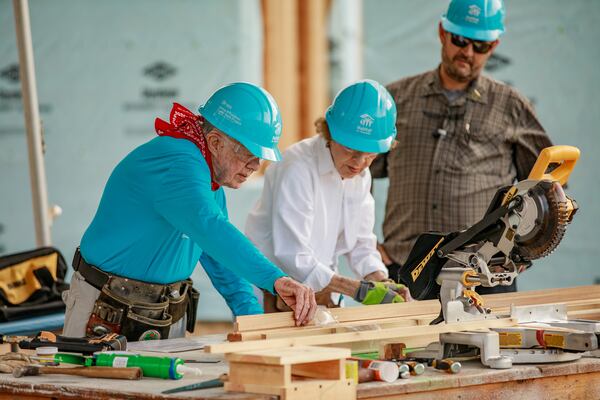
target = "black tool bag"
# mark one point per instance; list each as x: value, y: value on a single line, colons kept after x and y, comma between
x: 31, y: 283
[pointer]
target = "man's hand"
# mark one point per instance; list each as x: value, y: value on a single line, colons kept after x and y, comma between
x: 298, y: 297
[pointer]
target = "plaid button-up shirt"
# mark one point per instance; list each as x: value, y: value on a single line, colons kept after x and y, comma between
x: 451, y: 158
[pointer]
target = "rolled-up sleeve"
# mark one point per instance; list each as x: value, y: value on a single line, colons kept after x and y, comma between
x: 293, y: 219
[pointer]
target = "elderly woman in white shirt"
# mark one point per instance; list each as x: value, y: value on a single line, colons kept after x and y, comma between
x: 316, y: 203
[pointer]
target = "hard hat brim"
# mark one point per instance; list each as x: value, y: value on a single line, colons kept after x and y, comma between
x: 471, y: 33
x: 265, y: 153
x: 262, y: 152
x: 365, y: 145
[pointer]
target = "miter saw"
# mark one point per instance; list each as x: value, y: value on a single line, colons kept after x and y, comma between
x: 524, y: 222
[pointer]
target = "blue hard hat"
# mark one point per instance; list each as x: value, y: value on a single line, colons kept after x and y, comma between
x: 248, y: 114
x: 475, y: 19
x: 363, y: 117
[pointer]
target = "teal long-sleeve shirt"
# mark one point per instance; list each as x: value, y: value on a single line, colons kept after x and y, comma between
x: 158, y: 217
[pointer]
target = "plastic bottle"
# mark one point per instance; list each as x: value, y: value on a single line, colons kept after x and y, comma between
x: 382, y: 370
x: 157, y: 367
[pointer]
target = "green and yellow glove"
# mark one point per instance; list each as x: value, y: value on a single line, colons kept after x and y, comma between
x: 370, y: 293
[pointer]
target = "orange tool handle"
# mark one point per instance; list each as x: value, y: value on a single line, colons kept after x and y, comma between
x: 566, y: 156
x: 96, y: 372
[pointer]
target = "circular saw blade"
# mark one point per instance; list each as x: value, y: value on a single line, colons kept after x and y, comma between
x: 549, y: 201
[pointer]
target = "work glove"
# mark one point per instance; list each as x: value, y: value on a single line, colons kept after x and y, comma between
x: 370, y: 293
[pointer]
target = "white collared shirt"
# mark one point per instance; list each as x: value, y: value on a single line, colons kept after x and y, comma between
x: 308, y: 216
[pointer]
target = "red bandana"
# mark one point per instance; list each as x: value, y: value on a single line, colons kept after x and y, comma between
x: 184, y: 124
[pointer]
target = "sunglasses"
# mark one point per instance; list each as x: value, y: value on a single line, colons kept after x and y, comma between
x: 479, y: 47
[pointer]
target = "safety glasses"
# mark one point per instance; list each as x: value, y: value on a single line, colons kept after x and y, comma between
x: 357, y: 155
x: 242, y: 154
x: 479, y: 47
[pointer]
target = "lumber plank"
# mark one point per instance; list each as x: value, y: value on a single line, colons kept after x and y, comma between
x: 286, y: 320
x: 291, y: 355
x: 588, y: 309
x: 341, y: 327
x: 302, y: 390
x: 498, y: 302
x: 348, y: 337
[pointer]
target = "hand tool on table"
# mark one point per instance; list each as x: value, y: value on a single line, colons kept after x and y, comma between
x: 89, y: 372
x: 106, y: 342
x: 524, y: 222
x: 211, y: 383
x: 193, y: 361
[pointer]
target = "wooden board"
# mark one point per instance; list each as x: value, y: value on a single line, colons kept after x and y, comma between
x: 290, y: 355
x: 357, y: 336
x: 341, y: 315
x: 575, y: 298
x: 299, y: 390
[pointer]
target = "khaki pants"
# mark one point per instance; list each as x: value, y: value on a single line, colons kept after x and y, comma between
x: 273, y: 303
x: 80, y: 299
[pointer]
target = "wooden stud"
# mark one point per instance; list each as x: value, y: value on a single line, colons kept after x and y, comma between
x: 295, y: 355
x: 399, y: 333
x: 500, y: 303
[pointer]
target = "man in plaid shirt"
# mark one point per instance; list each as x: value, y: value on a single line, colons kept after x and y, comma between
x: 461, y: 136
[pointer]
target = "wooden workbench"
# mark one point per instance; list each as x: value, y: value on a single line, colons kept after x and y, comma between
x: 573, y: 380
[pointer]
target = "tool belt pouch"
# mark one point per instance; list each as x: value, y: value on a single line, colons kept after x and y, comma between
x: 178, y: 298
x: 191, y: 307
x: 136, y: 311
x: 31, y: 283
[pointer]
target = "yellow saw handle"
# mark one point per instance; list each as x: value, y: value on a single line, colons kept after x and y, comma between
x: 566, y: 156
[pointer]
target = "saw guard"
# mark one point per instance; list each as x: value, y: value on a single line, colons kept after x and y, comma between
x: 554, y: 214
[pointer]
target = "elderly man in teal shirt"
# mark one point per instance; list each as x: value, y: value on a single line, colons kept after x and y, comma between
x: 163, y: 209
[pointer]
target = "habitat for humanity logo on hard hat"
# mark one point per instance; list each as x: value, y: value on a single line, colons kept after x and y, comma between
x: 225, y: 111
x: 365, y: 124
x: 474, y: 12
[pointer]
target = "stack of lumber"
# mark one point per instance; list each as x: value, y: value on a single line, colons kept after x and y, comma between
x: 364, y: 328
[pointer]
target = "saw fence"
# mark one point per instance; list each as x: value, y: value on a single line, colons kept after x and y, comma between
x: 364, y: 329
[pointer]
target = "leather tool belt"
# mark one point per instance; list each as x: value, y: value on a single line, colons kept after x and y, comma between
x: 136, y: 309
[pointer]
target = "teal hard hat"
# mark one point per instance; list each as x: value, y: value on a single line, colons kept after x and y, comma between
x: 363, y: 117
x: 248, y: 114
x: 475, y: 19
